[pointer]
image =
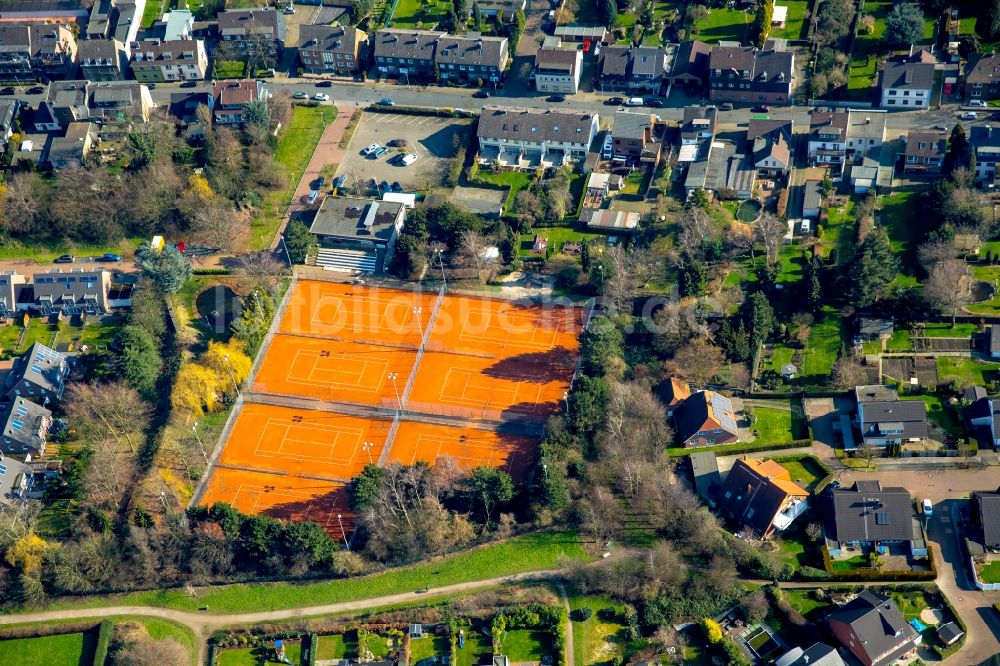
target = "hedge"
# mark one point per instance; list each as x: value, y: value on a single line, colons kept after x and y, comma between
x: 735, y: 449
x: 41, y: 630
x: 210, y: 660
x: 310, y: 656
x: 210, y: 271
x: 874, y: 575
x: 444, y: 112
x: 103, y: 642
x: 946, y: 651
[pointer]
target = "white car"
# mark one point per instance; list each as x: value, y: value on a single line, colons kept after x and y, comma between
x: 977, y: 102
x: 300, y: 95
x: 408, y: 159
x: 321, y: 97
x: 369, y: 149
x: 969, y: 115
x: 635, y: 101
x: 927, y: 507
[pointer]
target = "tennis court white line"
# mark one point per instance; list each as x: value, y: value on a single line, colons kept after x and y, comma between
x: 342, y: 356
x: 486, y: 323
x: 354, y: 318
x: 512, y: 404
x: 288, y: 425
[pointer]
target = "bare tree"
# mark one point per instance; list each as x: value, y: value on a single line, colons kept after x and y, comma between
x: 949, y: 286
x: 221, y: 225
x: 770, y: 232
x: 740, y: 240
x: 259, y: 270
x: 110, y: 410
x: 847, y: 373
x: 937, y: 251
x: 696, y: 228
x: 699, y: 360
x: 475, y: 248
x: 23, y: 205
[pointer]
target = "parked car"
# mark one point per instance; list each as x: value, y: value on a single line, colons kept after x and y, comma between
x: 977, y: 102
x: 635, y: 101
x: 288, y: 10
x: 325, y: 84
x: 396, y: 187
x: 654, y: 103
x: 313, y: 196
x: 606, y: 152
x: 9, y: 90
x: 408, y: 159
x: 481, y: 94
x: 189, y: 84
x: 726, y: 106
x: 969, y: 115
x: 761, y: 108
x: 615, y: 101
x: 65, y: 259
x: 555, y: 98
x: 300, y: 95
x: 37, y: 90
x: 369, y: 149
x: 319, y: 183
x: 151, y: 86
x: 928, y: 507
x: 110, y: 257
x: 384, y: 186
x: 385, y: 101
x: 321, y: 97
x: 380, y: 151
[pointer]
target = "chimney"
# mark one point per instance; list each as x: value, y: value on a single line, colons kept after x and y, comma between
x: 868, y: 120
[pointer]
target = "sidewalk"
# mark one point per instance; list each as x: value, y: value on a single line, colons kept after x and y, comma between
x: 327, y: 151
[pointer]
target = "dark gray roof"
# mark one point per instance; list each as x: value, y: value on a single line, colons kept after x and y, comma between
x: 330, y: 38
x: 533, y: 125
x: 630, y: 125
x: 983, y: 69
x: 817, y: 654
x: 994, y: 339
x: 25, y: 422
x: 347, y: 218
x: 886, y: 417
x: 907, y: 76
x: 812, y: 197
x: 949, y: 632
x: 986, y: 511
x: 705, y: 469
x: 692, y: 59
x: 769, y: 69
x: 648, y: 61
x: 973, y: 393
x: 98, y: 49
x: 868, y: 512
x: 984, y: 136
x: 14, y: 37
x: 614, y: 60
x: 411, y: 44
x: 879, y: 626
x: 926, y: 143
x: 697, y: 113
x: 252, y: 21
x: 489, y: 51
x: 872, y: 328
x: 828, y: 122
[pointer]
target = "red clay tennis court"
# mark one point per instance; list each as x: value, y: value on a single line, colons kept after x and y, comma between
x: 304, y: 442
x: 357, y: 313
x: 282, y: 496
x: 478, y: 387
x: 502, y: 328
x: 333, y: 370
x: 467, y: 446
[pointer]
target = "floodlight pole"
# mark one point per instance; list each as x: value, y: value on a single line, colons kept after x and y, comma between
x: 417, y: 311
x: 439, y: 252
x: 232, y: 375
x: 343, y: 533
x: 367, y: 448
x: 194, y: 429
x: 395, y: 389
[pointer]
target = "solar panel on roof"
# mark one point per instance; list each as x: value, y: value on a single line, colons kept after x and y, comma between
x: 881, y: 518
x: 18, y: 424
x: 22, y: 410
x: 36, y: 368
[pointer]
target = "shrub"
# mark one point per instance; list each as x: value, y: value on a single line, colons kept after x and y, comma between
x: 583, y: 614
x: 103, y: 642
x: 812, y: 573
x: 712, y: 630
x: 734, y: 655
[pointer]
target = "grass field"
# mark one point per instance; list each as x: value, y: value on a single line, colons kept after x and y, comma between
x: 804, y: 470
x: 795, y: 23
x: 990, y: 274
x: 153, y: 11
x: 939, y: 413
x: 897, y: 215
x: 557, y: 237
x: 45, y: 251
x: 514, y: 180
x: 336, y: 646
x: 966, y: 371
x: 527, y: 644
x: 428, y: 646
x: 804, y: 601
x: 38, y: 330
x: 776, y: 426
x: 723, y: 24
x: 822, y: 345
x: 839, y: 232
x: 229, y: 69
x: 295, y: 148
x: 595, y: 640
x: 59, y: 650
x: 477, y: 649
x: 409, y: 13
x: 252, y: 656
x: 938, y: 330
x: 989, y: 573
x: 531, y: 552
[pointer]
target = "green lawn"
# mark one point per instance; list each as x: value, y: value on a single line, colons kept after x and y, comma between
x: 859, y: 83
x: 252, y: 656
x: 723, y: 24
x: 939, y: 330
x: 527, y: 644
x: 230, y: 69
x: 990, y: 274
x: 45, y: 251
x: 409, y: 13
x: 804, y: 470
x: 428, y: 646
x: 850, y: 563
x: 336, y: 646
x: 595, y: 639
x: 900, y: 340
x: 153, y: 12
x: 839, y: 232
x: 780, y: 355
x: 637, y: 182
x: 477, y: 650
x: 557, y: 237
x: 898, y: 212
x: 804, y: 601
x: 59, y: 650
x: 795, y: 23
x: 531, y: 552
x: 39, y: 330
x: 822, y: 346
x: 989, y: 573
x: 95, y: 333
x: 940, y: 413
x: 777, y: 426
x: 966, y: 371
x: 514, y: 180
x: 295, y: 148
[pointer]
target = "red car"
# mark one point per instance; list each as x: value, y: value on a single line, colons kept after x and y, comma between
x: 586, y: 46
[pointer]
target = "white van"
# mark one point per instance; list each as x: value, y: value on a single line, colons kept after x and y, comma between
x: 635, y: 101
x: 409, y: 159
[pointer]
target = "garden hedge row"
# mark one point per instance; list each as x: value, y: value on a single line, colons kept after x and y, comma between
x: 103, y: 642
x: 736, y: 449
x: 42, y: 630
x: 310, y: 656
x: 874, y: 575
x: 210, y: 271
x: 419, y: 111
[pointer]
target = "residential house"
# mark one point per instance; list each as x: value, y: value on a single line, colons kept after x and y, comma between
x: 72, y: 292
x: 905, y: 85
x: 706, y: 418
x: 38, y: 374
x: 697, y: 134
x: 333, y: 49
x: 705, y: 470
x: 44, y: 10
x: 884, y: 419
x: 986, y: 142
x: 120, y: 102
x: 600, y: 185
x: 25, y: 427
x: 529, y: 137
x: 812, y: 199
x: 102, y: 60
x: 745, y: 74
x: 769, y: 146
x: 817, y: 654
x: 866, y: 515
x: 982, y: 77
x: 45, y: 118
x: 985, y: 518
x: 66, y: 102
x: 128, y: 22
x: 925, y: 151
x: 984, y: 416
x: 949, y: 633
x: 762, y: 496
x: 232, y: 98
x: 690, y: 67
x: 503, y: 10
x: 256, y: 35
x: 179, y: 25
x: 357, y: 234
x: 633, y: 138
x: 672, y: 392
x: 11, y: 286
x: 72, y: 148
x: 558, y: 70
x: 874, y: 630
x: 408, y: 54
x: 10, y: 109
x: 633, y: 68
x: 36, y: 50
x: 155, y: 61
x: 865, y: 132
x: 99, y: 22
x: 471, y: 59
x: 828, y: 139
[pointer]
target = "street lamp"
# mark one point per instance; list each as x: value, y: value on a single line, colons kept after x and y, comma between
x: 392, y: 378
x: 417, y: 311
x: 343, y: 533
x: 194, y: 429
x: 439, y: 252
x: 232, y: 375
x: 163, y: 500
x: 566, y: 399
x: 367, y: 448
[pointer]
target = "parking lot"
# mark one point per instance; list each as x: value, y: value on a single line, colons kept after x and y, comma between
x: 428, y: 137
